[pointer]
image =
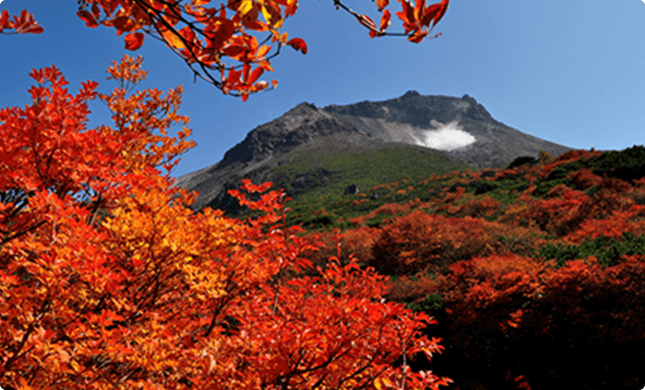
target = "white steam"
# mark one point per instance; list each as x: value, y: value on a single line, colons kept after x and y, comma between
x: 445, y: 137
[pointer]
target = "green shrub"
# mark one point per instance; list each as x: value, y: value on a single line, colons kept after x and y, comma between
x: 608, y: 251
x: 627, y: 165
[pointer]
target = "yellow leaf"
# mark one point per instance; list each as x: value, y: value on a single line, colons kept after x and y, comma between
x: 75, y: 366
x: 173, y: 39
x: 245, y: 7
x: 381, y: 383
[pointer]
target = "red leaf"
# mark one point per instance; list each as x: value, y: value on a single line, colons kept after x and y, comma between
x: 409, y: 12
x: 124, y: 23
x: 419, y: 8
x: 89, y: 19
x: 4, y: 18
x: 96, y: 11
x: 298, y: 44
x: 233, y: 77
x: 257, y: 25
x: 434, y: 13
x: 33, y: 29
x: 291, y: 8
x: 218, y: 30
x: 133, y: 41
x: 4, y: 21
x: 430, y: 13
x: 24, y: 15
x: 246, y: 70
x: 255, y: 75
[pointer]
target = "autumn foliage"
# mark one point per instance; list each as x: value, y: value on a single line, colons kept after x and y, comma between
x: 231, y: 44
x: 535, y: 274
x: 23, y: 24
x: 109, y: 280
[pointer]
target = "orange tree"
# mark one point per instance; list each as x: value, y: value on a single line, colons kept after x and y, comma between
x: 109, y: 280
x: 229, y: 44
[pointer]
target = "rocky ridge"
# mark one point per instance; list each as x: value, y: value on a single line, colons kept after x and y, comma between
x: 412, y: 119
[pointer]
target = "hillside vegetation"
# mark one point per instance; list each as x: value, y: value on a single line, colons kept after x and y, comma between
x: 317, y: 178
x: 535, y: 273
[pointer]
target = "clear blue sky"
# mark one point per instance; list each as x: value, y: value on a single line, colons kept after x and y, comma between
x: 571, y: 72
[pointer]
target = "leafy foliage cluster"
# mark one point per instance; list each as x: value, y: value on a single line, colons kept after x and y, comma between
x: 109, y: 280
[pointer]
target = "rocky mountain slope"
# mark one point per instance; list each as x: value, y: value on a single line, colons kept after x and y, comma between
x: 458, y: 130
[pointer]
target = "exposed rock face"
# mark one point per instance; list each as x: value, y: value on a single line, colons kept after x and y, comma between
x: 459, y: 126
x: 414, y: 118
x: 417, y: 110
x: 298, y: 126
x: 352, y: 190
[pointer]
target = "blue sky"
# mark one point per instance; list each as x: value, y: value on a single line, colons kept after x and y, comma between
x: 570, y: 72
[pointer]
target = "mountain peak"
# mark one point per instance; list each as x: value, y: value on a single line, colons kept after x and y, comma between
x: 411, y: 93
x: 468, y: 97
x: 302, y: 109
x: 461, y: 127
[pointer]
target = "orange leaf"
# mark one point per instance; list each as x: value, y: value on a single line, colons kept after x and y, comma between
x: 263, y: 51
x: 133, y: 41
x: 385, y: 20
x: 382, y: 4
x: 265, y: 64
x: 407, y: 16
x: 298, y: 44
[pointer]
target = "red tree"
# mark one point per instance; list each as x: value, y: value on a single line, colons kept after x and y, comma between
x: 109, y: 280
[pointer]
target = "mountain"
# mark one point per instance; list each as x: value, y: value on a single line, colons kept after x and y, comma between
x: 456, y: 132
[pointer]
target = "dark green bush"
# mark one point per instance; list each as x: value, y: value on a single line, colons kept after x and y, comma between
x: 522, y: 160
x: 627, y: 165
x: 431, y: 304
